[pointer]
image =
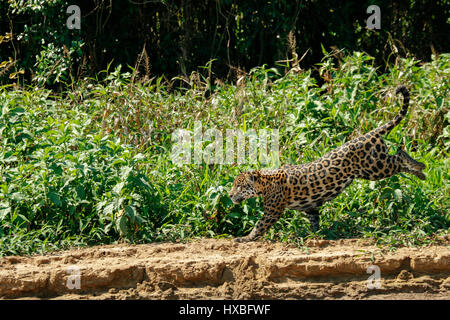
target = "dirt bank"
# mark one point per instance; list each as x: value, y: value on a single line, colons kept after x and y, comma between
x: 222, y: 269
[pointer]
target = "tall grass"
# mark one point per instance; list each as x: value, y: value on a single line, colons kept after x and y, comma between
x: 92, y: 165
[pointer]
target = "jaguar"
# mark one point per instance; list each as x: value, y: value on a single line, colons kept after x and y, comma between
x: 306, y: 187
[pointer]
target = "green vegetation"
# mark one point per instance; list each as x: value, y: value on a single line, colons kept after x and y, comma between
x: 92, y: 164
x: 175, y: 37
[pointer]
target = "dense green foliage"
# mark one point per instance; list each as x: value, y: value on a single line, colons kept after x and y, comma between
x: 92, y: 164
x: 175, y: 37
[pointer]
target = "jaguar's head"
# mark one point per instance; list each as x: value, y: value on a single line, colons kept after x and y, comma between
x: 245, y: 186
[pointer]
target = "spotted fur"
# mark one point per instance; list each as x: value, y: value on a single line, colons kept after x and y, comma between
x: 306, y: 187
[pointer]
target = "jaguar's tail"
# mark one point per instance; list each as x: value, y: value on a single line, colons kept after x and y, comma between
x: 386, y: 128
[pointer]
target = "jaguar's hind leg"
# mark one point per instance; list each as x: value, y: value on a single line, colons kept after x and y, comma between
x: 313, y: 216
x: 386, y: 165
x: 410, y: 165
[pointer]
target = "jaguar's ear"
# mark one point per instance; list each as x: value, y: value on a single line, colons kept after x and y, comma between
x: 254, y: 176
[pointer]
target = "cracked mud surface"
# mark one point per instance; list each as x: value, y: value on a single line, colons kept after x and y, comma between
x: 223, y: 269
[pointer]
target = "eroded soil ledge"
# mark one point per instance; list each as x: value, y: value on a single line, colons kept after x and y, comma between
x: 222, y: 269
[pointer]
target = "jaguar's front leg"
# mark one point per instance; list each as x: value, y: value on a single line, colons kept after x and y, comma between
x: 271, y: 215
